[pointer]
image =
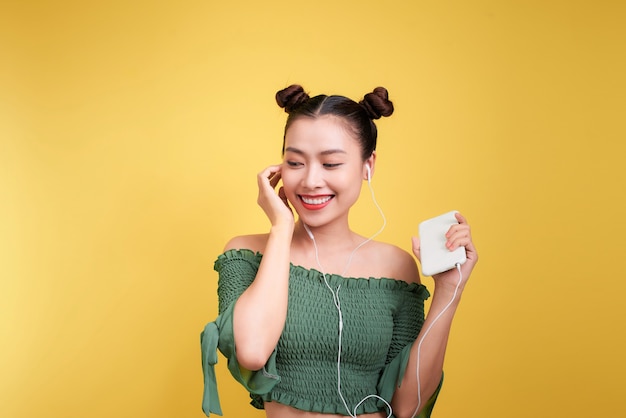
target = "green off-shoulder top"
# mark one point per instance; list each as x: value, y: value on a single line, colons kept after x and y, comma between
x: 381, y: 319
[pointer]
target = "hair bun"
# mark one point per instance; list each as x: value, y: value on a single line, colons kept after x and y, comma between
x: 291, y: 98
x: 377, y: 103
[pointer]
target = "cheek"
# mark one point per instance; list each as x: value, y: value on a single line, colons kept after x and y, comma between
x: 352, y: 189
x: 290, y: 193
x: 289, y: 182
x: 353, y: 193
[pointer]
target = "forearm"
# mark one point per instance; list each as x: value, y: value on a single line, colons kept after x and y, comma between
x: 260, y: 311
x: 429, y: 349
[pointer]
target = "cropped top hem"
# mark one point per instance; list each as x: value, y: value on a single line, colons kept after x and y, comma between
x: 384, y: 316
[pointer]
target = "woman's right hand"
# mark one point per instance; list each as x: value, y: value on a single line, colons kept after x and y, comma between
x: 275, y: 205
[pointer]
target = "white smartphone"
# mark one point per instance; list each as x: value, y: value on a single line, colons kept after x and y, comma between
x: 435, y: 256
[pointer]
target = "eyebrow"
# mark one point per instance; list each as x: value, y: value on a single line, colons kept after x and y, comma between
x: 325, y: 152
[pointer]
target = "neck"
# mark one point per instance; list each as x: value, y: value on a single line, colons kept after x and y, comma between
x: 327, y: 235
x: 333, y: 250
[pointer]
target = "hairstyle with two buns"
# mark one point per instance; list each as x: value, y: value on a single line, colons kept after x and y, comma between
x: 359, y: 117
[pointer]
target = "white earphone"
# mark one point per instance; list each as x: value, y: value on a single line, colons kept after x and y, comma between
x: 337, y: 302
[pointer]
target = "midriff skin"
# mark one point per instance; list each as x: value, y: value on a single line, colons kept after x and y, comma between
x: 278, y: 410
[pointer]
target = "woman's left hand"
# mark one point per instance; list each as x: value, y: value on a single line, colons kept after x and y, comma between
x: 459, y: 235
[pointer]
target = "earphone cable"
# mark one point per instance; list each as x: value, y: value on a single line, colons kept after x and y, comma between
x: 337, y: 304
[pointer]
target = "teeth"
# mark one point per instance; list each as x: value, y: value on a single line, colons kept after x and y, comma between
x: 315, y: 201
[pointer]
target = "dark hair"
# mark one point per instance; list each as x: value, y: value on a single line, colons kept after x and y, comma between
x: 358, y: 116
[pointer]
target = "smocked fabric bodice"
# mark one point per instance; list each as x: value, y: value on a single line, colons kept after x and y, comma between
x: 381, y: 318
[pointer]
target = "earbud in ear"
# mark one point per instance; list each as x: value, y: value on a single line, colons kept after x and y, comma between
x: 369, y: 172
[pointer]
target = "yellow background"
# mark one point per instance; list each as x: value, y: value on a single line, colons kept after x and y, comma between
x: 131, y: 134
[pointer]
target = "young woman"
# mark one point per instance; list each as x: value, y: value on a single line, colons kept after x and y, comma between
x: 315, y: 319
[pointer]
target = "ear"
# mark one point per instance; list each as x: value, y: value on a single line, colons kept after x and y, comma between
x: 369, y: 163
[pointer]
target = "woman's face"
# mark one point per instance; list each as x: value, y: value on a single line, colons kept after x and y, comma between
x: 322, y: 169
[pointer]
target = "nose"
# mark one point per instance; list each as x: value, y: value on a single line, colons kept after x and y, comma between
x: 313, y: 177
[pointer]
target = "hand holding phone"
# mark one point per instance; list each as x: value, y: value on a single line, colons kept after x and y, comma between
x: 435, y: 256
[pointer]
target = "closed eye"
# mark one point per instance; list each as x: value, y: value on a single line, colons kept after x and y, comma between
x: 294, y: 163
x: 332, y: 165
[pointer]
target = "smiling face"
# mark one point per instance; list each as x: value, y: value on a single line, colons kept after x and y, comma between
x: 322, y: 169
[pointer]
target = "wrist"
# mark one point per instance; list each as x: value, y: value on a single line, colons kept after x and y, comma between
x: 282, y: 229
x: 446, y: 289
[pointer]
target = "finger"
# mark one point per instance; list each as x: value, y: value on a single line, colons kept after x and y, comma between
x: 462, y: 222
x: 268, y: 170
x: 458, y: 236
x: 268, y: 174
x: 264, y: 175
x: 471, y: 251
x: 463, y: 238
x: 460, y: 242
x: 458, y: 229
x: 458, y: 239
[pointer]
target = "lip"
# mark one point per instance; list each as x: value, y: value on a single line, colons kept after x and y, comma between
x: 315, y: 202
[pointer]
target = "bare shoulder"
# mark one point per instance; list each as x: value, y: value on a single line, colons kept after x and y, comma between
x: 255, y: 242
x: 396, y: 262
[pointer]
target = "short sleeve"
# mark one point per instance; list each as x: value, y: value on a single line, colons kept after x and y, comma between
x: 408, y: 321
x: 236, y: 271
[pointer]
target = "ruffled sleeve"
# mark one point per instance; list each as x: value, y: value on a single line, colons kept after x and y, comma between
x: 237, y: 270
x: 208, y: 344
x: 408, y: 321
x: 392, y: 377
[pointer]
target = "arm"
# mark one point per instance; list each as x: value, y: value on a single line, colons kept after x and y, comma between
x: 431, y: 350
x: 260, y: 311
